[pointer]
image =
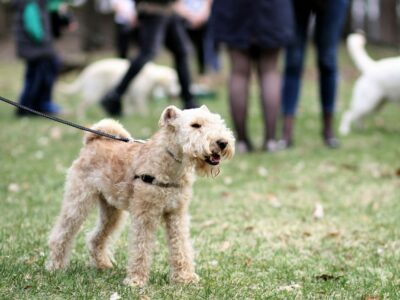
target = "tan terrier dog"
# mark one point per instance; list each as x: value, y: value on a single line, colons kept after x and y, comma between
x: 152, y: 181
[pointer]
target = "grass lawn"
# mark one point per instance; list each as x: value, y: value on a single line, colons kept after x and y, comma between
x: 252, y: 227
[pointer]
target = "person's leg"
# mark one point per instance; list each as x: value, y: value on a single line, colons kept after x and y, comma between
x: 176, y: 42
x: 293, y: 69
x: 27, y: 95
x: 270, y: 83
x: 151, y: 34
x: 49, y: 70
x: 197, y: 38
x: 211, y: 59
x: 238, y: 95
x: 122, y: 39
x: 329, y: 23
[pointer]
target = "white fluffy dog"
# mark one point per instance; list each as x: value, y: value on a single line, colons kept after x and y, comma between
x: 379, y: 81
x: 99, y: 77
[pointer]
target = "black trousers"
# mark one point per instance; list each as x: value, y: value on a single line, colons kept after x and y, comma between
x: 197, y: 37
x: 154, y: 31
x: 124, y: 36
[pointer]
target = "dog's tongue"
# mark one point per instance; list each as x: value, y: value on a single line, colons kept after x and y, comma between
x: 215, y: 158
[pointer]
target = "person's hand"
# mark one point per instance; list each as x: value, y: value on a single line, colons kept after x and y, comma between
x: 134, y: 21
x: 196, y: 20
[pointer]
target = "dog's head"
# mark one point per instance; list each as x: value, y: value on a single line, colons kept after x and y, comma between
x: 201, y: 136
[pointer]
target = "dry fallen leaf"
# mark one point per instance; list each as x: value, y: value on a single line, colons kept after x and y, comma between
x: 14, y: 187
x: 115, y: 296
x: 55, y: 133
x: 318, y: 212
x: 225, y: 246
x: 225, y: 195
x: 213, y: 262
x: 290, y: 287
x: 349, y: 167
x: 207, y: 223
x: 333, y: 234
x: 249, y: 228
x: 367, y: 297
x: 262, y: 171
x: 273, y: 200
x: 248, y: 262
x: 228, y: 180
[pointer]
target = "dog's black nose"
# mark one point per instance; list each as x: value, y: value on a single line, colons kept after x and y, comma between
x: 222, y: 144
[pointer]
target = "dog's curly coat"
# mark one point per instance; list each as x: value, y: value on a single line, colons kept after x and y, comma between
x: 152, y: 181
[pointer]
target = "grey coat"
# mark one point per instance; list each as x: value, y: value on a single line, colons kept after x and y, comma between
x: 26, y: 47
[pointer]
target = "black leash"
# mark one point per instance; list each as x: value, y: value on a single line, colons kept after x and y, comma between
x: 56, y: 119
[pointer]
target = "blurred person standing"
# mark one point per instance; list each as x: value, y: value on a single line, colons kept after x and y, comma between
x: 196, y: 16
x: 35, y: 46
x: 329, y: 19
x: 159, y: 22
x: 254, y: 32
x: 125, y: 19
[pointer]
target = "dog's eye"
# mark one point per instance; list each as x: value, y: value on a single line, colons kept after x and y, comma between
x: 195, y: 125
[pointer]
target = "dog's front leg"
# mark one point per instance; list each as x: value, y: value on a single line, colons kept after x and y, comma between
x: 181, y: 252
x: 141, y: 248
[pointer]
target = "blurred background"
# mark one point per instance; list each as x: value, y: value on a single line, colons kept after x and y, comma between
x: 379, y: 19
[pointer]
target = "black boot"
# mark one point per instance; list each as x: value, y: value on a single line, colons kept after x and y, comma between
x: 328, y: 135
x: 111, y: 103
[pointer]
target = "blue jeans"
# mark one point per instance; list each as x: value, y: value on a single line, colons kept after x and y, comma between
x: 329, y: 21
x: 40, y: 76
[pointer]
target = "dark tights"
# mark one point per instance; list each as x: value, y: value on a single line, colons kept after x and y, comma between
x: 269, y: 82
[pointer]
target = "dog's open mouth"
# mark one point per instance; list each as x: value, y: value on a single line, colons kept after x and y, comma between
x: 214, y: 159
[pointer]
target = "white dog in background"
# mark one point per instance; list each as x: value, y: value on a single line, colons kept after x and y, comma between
x: 379, y: 81
x: 101, y: 76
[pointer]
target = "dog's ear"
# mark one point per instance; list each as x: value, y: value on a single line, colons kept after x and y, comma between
x: 168, y: 115
x: 205, y: 108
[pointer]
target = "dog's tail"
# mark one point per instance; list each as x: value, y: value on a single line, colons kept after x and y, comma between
x: 109, y: 126
x: 356, y: 48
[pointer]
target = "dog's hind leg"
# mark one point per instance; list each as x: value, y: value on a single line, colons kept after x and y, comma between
x: 181, y: 252
x: 99, y: 240
x: 366, y: 97
x: 78, y: 200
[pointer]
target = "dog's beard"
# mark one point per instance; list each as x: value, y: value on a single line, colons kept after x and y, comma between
x: 203, y: 168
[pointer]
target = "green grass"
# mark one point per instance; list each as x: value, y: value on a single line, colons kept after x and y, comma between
x: 252, y: 227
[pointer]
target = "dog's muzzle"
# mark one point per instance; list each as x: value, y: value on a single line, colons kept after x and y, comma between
x: 215, y: 158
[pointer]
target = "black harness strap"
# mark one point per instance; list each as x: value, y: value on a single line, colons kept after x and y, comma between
x: 149, y: 179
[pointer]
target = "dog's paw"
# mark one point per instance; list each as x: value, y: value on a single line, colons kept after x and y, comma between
x: 135, y: 281
x: 102, y: 265
x: 52, y: 265
x: 185, y: 278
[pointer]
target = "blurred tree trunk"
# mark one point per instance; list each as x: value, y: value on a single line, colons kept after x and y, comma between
x: 96, y: 29
x: 388, y: 22
x: 5, y: 20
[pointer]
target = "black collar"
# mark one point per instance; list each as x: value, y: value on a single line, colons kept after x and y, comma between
x: 153, y: 181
